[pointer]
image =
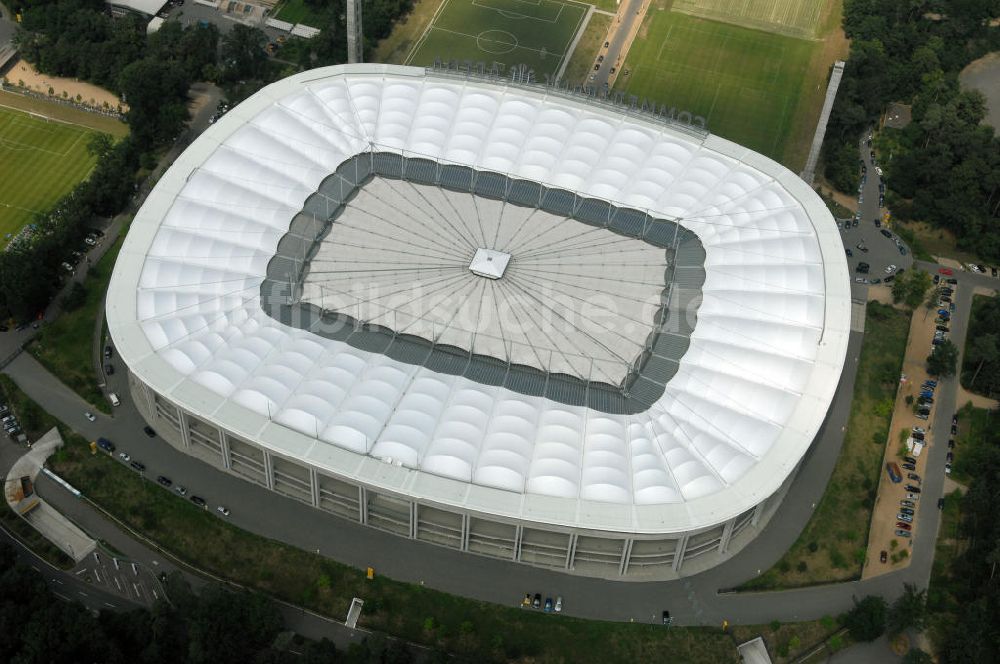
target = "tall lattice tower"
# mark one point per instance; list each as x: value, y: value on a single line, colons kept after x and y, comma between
x: 355, y: 42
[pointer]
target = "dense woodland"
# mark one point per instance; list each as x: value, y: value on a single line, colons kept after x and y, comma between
x: 217, y: 626
x: 945, y: 166
x: 981, y: 363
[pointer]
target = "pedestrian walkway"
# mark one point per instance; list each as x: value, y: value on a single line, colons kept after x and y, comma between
x: 38, y: 513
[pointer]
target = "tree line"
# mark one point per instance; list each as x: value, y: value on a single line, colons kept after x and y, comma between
x: 215, y: 626
x: 981, y: 364
x: 945, y: 165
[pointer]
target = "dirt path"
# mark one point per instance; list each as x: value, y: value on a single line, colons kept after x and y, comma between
x: 25, y: 75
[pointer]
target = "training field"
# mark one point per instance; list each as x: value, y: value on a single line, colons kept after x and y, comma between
x: 40, y: 161
x: 747, y: 84
x: 536, y: 33
x: 798, y: 18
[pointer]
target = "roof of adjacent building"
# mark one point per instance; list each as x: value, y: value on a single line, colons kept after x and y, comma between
x: 765, y: 352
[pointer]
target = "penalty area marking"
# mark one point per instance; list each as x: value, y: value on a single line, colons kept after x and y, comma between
x: 496, y: 42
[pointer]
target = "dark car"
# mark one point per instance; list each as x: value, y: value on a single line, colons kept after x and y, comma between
x: 109, y: 370
x: 909, y: 459
x: 912, y: 488
x: 106, y: 445
x: 883, y: 556
x: 885, y: 233
x: 953, y: 281
x: 940, y: 503
x: 200, y: 502
x: 950, y: 457
x: 548, y: 605
x: 913, y: 476
x: 954, y: 430
x: 665, y: 618
x: 148, y: 430
x: 909, y: 466
x: 107, y: 352
x: 951, y: 443
x: 165, y: 481
x: 536, y: 602
x: 138, y: 466
x: 954, y: 420
x: 850, y: 254
x: 902, y: 250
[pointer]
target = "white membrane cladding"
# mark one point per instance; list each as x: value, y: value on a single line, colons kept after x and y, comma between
x: 575, y: 299
x: 749, y: 395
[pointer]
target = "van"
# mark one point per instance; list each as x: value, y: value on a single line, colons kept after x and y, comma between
x: 115, y: 401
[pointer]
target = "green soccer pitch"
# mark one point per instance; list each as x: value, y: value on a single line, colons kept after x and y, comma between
x: 747, y: 84
x: 40, y: 161
x: 536, y: 33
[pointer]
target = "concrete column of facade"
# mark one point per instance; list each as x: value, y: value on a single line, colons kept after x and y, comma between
x: 413, y: 519
x: 626, y: 555
x: 185, y: 421
x: 466, y: 527
x: 314, y: 486
x: 227, y: 459
x: 682, y: 544
x: 757, y: 511
x: 727, y: 534
x: 362, y: 505
x: 570, y: 551
x: 268, y: 470
x: 518, y: 534
x: 150, y: 396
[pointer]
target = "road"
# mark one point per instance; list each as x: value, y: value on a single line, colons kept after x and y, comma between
x: 626, y: 24
x: 881, y: 251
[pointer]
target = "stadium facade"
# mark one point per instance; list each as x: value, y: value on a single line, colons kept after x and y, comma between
x: 498, y: 318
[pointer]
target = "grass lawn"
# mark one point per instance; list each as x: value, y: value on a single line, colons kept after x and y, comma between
x: 582, y: 60
x: 416, y: 613
x: 794, y: 18
x: 950, y: 543
x: 395, y: 48
x: 747, y: 84
x: 70, y: 114
x: 297, y: 11
x: 64, y: 346
x: 34, y: 540
x: 40, y: 161
x: 832, y: 546
x: 514, y: 32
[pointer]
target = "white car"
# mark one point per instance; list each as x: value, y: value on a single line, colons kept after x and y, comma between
x: 559, y: 604
x: 223, y: 510
x: 890, y: 269
x: 947, y: 469
x: 90, y: 416
x: 124, y: 457
x: 913, y: 496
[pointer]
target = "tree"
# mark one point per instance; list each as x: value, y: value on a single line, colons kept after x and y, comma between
x: 917, y: 656
x: 866, y: 621
x: 943, y: 359
x: 909, y: 610
x: 981, y: 350
x: 243, y: 55
x: 909, y: 288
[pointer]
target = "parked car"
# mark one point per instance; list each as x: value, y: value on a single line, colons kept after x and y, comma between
x: 913, y: 476
x: 954, y: 430
x: 526, y: 602
x: 907, y: 510
x: 912, y: 488
x: 548, y: 605
x: 106, y: 445
x: 951, y: 443
x: 198, y: 500
x: 950, y: 457
x: 903, y: 525
x: 223, y: 510
x: 107, y: 352
x: 902, y: 533
x: 886, y: 233
x: 90, y: 416
x: 536, y: 602
x: 148, y: 430
x: 138, y: 466
x: 907, y: 503
x: 909, y: 459
x: 913, y: 496
x: 124, y: 456
x: 883, y: 556
x: 904, y: 517
x: 165, y: 481
x: 559, y: 604
x: 909, y: 466
x: 181, y: 490
x: 947, y: 469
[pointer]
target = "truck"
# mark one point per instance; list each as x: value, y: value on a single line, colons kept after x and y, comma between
x: 895, y: 474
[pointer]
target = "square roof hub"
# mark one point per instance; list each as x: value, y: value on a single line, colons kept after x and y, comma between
x: 489, y: 263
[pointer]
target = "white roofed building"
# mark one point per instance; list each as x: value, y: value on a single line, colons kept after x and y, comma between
x: 495, y: 317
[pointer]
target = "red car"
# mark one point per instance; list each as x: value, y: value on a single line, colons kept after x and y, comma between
x: 904, y: 526
x: 945, y: 271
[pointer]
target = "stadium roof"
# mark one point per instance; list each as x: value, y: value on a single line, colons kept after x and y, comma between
x: 766, y: 346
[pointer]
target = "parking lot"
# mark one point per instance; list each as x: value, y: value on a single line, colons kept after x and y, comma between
x: 920, y: 423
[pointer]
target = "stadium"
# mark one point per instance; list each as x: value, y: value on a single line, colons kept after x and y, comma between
x: 499, y: 318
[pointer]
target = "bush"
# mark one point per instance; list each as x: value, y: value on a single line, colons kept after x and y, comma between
x: 802, y: 566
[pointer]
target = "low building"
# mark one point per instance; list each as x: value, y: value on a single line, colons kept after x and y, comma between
x: 149, y: 8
